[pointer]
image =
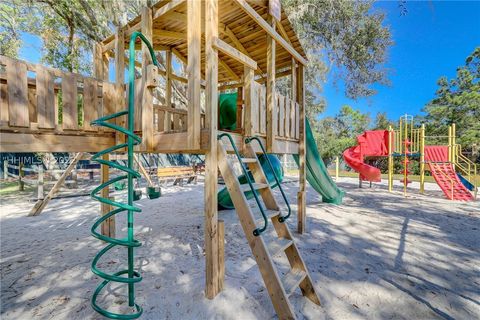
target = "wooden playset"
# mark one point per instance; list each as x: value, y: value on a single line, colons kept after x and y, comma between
x: 228, y: 45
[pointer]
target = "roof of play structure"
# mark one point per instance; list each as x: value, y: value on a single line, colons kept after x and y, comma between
x: 170, y: 31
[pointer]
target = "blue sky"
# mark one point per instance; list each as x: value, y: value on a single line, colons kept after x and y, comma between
x: 431, y: 41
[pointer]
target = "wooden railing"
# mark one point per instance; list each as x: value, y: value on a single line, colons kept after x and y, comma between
x: 286, y: 123
x: 40, y: 99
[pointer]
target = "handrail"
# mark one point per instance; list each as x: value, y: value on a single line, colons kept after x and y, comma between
x: 281, y: 218
x: 257, y: 231
x: 470, y: 171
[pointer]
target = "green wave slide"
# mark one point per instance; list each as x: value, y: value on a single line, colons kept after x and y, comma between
x: 317, y: 174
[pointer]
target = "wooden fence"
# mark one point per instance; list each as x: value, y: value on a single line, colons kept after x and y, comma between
x: 286, y: 121
x: 38, y: 177
x: 37, y: 98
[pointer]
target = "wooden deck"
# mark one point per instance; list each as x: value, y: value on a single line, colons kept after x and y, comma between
x: 48, y: 110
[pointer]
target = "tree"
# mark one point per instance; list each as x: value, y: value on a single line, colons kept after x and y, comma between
x: 382, y: 122
x: 350, y: 34
x: 458, y: 101
x: 335, y: 134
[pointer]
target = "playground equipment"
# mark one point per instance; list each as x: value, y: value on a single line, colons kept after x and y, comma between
x: 263, y: 244
x: 130, y: 174
x: 317, y: 174
x: 454, y: 173
x: 234, y: 45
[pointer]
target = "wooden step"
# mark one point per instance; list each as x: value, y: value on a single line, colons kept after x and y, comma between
x: 278, y: 245
x: 257, y: 186
x: 249, y: 160
x: 292, y: 280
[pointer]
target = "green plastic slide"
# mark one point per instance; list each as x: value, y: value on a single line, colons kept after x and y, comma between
x: 224, y: 200
x: 317, y: 174
x: 227, y: 107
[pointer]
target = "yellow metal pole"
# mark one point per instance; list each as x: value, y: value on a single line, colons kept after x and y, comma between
x: 422, y: 159
x: 449, y: 143
x: 390, y: 159
x: 453, y: 145
x: 337, y: 165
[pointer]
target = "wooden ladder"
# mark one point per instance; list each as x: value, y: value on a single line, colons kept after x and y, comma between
x: 263, y: 248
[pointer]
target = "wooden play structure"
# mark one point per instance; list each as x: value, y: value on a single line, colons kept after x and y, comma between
x: 218, y: 46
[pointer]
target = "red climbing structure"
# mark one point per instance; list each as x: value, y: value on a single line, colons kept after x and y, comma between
x: 443, y: 171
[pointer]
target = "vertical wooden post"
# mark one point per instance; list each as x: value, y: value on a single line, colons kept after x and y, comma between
x: 270, y: 87
x: 168, y: 92
x: 194, y: 34
x: 301, y: 197
x: 120, y: 80
x: 293, y: 83
x: 40, y: 183
x: 108, y: 227
x: 211, y: 162
x: 248, y: 84
x: 100, y: 62
x: 21, y: 184
x: 101, y: 72
x: 147, y: 96
x: 221, y: 254
x: 119, y: 56
x: 239, y: 124
x: 5, y: 169
x: 337, y: 165
x: 422, y: 159
x: 75, y: 178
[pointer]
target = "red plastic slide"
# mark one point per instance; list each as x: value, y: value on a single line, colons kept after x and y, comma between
x: 444, y: 173
x: 370, y: 144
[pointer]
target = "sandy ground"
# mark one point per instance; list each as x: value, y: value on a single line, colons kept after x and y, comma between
x: 377, y: 256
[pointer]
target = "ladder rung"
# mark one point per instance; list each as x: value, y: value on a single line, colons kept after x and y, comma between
x: 292, y: 279
x: 269, y: 213
x: 278, y: 245
x: 249, y: 160
x: 256, y: 186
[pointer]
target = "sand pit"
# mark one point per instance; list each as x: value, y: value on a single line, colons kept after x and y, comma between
x: 377, y: 256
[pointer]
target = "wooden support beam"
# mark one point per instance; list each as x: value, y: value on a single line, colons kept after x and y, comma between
x: 248, y: 85
x: 214, y: 277
x: 158, y: 12
x: 227, y: 31
x: 270, y: 29
x: 301, y: 197
x: 41, y: 204
x: 193, y: 72
x: 270, y: 88
x: 283, y: 32
x: 228, y: 70
x: 148, y: 71
x: 234, y: 53
x: 171, y: 34
x: 143, y: 171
